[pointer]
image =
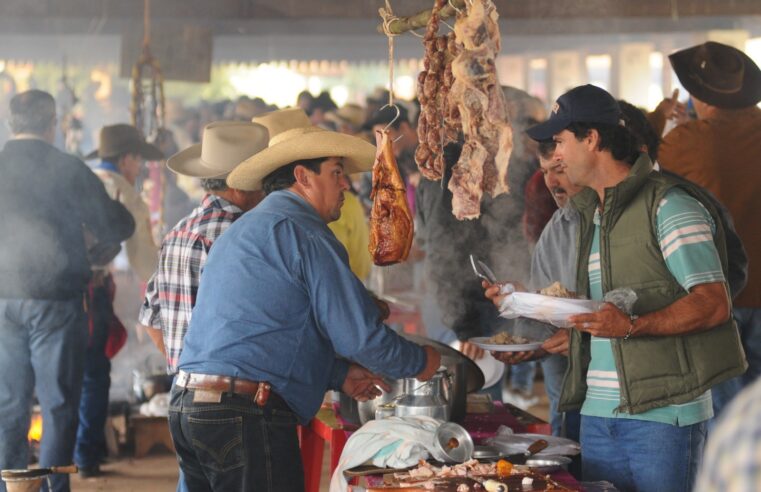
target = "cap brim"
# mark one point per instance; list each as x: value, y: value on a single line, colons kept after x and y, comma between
x: 548, y: 129
x: 357, y: 154
x: 188, y: 162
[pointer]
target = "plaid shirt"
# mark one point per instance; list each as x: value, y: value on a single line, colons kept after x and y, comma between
x: 732, y: 459
x: 171, y: 291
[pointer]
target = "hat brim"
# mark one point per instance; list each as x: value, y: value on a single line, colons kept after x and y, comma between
x: 357, y: 154
x: 548, y: 129
x: 749, y: 95
x: 147, y: 151
x: 188, y: 162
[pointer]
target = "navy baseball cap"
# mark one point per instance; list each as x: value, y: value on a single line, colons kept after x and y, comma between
x: 583, y: 104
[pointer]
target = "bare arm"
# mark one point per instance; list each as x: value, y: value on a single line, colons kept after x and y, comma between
x: 706, y: 306
x: 156, y: 337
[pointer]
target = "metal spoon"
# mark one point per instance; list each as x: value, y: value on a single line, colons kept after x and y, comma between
x: 482, y: 271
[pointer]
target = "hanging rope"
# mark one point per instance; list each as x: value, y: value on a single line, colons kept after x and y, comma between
x: 400, y: 25
x: 387, y: 14
x: 147, y: 85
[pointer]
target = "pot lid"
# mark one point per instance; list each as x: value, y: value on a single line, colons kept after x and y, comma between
x: 474, y: 375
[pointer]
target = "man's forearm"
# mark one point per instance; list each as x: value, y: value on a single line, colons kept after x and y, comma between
x: 156, y: 336
x: 705, y: 307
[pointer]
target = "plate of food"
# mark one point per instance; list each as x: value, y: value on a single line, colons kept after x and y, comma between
x: 505, y: 342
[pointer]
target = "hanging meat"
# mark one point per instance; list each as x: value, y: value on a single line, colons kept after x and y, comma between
x: 482, y: 111
x: 391, y: 226
x: 429, y: 155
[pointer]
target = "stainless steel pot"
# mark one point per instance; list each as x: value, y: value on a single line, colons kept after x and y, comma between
x: 424, y: 398
x: 465, y: 376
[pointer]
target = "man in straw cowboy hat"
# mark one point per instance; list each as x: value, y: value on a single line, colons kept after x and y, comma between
x: 122, y: 151
x: 720, y: 152
x: 280, y: 319
x: 49, y: 199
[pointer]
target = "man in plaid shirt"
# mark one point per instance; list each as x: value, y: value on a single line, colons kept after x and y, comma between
x: 171, y: 291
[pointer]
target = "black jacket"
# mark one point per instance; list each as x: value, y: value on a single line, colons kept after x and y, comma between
x: 47, y: 201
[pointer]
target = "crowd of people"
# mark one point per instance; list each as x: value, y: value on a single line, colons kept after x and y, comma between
x: 258, y: 299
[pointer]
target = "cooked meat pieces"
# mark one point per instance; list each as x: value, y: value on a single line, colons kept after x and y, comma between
x: 505, y: 338
x: 558, y: 290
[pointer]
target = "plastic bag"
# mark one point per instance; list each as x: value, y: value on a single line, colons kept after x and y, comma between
x: 547, y: 309
x: 623, y: 299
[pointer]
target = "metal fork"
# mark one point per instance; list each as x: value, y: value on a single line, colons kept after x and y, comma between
x: 482, y: 271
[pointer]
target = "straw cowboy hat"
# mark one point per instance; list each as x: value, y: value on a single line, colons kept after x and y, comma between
x: 277, y: 122
x: 350, y: 114
x: 301, y: 143
x: 223, y: 146
x: 719, y: 75
x: 121, y: 139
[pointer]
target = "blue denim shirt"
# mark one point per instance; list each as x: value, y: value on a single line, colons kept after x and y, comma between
x: 278, y: 302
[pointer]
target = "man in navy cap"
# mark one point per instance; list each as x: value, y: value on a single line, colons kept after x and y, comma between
x: 642, y: 378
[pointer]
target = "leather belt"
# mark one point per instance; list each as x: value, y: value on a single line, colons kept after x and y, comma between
x: 259, y: 391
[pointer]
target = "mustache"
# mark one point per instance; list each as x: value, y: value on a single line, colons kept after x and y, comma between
x: 558, y: 190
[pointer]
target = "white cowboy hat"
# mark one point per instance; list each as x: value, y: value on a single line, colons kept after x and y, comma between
x: 307, y: 142
x: 224, y: 145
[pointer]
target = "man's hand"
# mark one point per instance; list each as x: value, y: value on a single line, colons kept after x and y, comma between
x: 493, y: 292
x: 432, y: 363
x: 518, y: 357
x: 471, y: 351
x: 362, y: 385
x: 157, y: 337
x: 557, y: 343
x: 608, y: 322
x: 671, y: 108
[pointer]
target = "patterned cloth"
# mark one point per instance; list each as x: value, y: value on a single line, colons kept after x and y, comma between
x: 171, y: 291
x: 685, y: 234
x: 732, y: 461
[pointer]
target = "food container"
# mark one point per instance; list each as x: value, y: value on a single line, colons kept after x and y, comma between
x: 424, y: 398
x: 547, y: 464
x: 454, y: 443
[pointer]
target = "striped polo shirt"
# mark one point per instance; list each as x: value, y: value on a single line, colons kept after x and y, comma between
x: 685, y: 234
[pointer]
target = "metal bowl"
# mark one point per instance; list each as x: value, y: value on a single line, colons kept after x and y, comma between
x: 486, y: 453
x: 547, y: 464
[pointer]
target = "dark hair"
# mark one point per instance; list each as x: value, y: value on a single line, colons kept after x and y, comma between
x: 32, y: 111
x: 547, y: 148
x: 643, y: 131
x: 114, y: 159
x: 213, y: 184
x: 283, y: 177
x: 614, y: 138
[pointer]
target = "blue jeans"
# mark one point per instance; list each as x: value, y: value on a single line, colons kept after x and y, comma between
x: 235, y: 445
x: 522, y: 376
x: 93, y: 407
x: 42, y: 346
x: 639, y: 455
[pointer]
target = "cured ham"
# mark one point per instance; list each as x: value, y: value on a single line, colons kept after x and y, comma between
x: 391, y: 225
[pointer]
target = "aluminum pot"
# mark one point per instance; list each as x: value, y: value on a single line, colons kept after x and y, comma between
x: 466, y: 377
x: 426, y: 399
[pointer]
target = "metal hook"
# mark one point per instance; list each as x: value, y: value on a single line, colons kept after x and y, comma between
x: 447, y: 24
x: 452, y: 5
x: 398, y: 114
x: 398, y: 138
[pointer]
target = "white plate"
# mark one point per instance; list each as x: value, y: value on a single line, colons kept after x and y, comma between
x: 483, y: 342
x: 492, y: 368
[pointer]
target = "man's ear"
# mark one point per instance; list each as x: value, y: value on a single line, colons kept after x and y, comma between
x: 301, y: 174
x: 592, y: 139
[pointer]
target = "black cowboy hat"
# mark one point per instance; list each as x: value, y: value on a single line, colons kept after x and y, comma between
x: 718, y: 75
